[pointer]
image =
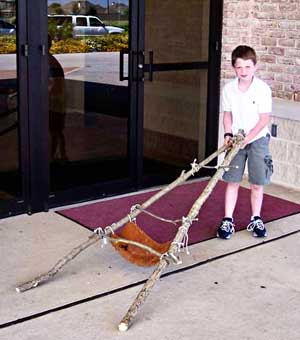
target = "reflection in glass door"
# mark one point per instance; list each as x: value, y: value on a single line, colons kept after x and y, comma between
x: 176, y: 81
x: 88, y: 93
x: 10, y: 174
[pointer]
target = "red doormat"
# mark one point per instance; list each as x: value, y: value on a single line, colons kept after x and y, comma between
x: 175, y: 205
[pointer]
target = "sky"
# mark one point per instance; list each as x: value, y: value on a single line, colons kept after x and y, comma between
x: 96, y: 2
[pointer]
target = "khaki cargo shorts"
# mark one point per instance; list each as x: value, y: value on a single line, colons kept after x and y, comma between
x: 260, y: 164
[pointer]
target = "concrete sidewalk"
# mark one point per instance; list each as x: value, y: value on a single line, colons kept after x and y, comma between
x: 244, y: 288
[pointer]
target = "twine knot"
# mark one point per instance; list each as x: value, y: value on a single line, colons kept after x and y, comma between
x: 132, y: 210
x: 104, y: 234
x: 195, y: 167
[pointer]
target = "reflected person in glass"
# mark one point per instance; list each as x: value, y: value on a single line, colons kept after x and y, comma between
x: 57, y: 107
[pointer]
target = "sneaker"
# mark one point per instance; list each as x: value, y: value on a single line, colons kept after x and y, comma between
x: 226, y: 228
x: 257, y: 227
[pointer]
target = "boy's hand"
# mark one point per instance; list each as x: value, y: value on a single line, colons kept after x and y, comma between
x: 228, y: 139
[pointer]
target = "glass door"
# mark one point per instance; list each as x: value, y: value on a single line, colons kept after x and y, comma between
x: 121, y: 96
x: 89, y: 96
x: 177, y: 60
x: 11, y: 181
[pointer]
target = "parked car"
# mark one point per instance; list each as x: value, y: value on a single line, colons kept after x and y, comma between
x: 7, y: 28
x: 85, y: 25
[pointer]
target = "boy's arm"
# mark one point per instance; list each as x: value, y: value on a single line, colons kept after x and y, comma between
x: 262, y: 122
x: 227, y: 123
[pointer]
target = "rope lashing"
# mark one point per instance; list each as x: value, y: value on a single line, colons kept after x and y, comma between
x: 226, y: 168
x: 99, y: 231
x: 186, y: 223
x: 104, y: 234
x: 171, y: 256
x: 195, y: 166
x: 109, y: 230
x: 139, y: 207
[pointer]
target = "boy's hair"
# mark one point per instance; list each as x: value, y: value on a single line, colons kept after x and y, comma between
x: 243, y: 52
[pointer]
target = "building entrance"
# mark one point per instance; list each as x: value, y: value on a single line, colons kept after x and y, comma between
x: 104, y: 97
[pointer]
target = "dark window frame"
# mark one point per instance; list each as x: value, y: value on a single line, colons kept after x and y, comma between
x: 80, y: 20
x: 100, y: 24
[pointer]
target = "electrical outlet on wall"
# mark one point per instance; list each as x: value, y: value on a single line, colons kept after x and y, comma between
x: 274, y: 130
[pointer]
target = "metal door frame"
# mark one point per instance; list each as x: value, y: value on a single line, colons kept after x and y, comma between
x: 213, y: 67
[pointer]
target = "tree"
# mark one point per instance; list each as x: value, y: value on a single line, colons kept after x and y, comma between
x: 126, y: 12
x: 92, y: 11
x: 75, y: 8
x: 56, y: 8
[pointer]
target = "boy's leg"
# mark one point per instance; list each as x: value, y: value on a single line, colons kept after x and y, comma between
x: 233, y: 178
x: 226, y: 227
x: 231, y: 195
x: 260, y: 169
x: 257, y: 194
x: 256, y: 225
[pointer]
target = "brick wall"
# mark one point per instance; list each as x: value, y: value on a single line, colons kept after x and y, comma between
x: 272, y: 27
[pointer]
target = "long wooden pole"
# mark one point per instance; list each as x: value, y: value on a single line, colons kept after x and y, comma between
x: 182, y: 232
x: 96, y: 237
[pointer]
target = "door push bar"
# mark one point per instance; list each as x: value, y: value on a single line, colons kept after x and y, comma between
x: 140, y: 65
x: 121, y: 70
x: 131, y: 61
x: 148, y: 67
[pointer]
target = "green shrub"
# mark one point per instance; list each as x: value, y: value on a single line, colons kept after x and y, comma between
x: 107, y: 43
x: 69, y: 46
x: 65, y: 31
x: 8, y: 44
x: 104, y: 43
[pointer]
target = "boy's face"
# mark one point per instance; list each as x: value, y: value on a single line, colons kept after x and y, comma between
x: 244, y: 69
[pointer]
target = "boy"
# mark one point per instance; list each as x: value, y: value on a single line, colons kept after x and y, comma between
x: 247, y: 104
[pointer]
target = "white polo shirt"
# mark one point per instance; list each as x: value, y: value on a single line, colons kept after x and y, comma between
x: 246, y: 106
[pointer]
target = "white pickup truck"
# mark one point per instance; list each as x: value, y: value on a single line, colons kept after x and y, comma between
x: 85, y: 25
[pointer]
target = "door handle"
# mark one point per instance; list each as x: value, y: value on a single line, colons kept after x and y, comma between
x: 43, y: 49
x: 151, y: 57
x: 121, y: 70
x: 25, y: 50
